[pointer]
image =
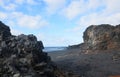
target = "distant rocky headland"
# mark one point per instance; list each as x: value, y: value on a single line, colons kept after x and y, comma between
x: 100, y: 37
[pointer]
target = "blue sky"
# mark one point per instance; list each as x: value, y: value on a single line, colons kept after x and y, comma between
x: 58, y: 22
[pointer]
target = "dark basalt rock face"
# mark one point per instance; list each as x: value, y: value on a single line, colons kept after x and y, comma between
x: 102, y: 37
x: 22, y: 56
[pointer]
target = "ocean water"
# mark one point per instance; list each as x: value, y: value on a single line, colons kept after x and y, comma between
x: 50, y: 49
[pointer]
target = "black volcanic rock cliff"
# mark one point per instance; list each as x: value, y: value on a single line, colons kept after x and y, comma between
x: 22, y: 56
x: 102, y: 37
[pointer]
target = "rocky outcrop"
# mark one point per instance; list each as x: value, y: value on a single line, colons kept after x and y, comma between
x: 22, y: 56
x: 102, y: 37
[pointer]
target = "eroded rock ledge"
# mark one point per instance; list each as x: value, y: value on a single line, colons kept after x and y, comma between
x: 22, y: 56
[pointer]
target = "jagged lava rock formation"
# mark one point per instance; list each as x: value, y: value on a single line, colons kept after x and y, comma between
x: 22, y: 56
x: 102, y: 37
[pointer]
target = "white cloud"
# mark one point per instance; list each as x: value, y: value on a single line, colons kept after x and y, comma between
x: 54, y: 5
x: 94, y: 4
x: 23, y: 20
x: 112, y: 6
x: 12, y: 5
x: 110, y: 14
x: 96, y: 19
x: 87, y: 11
x: 28, y: 21
x: 73, y: 9
x: 79, y: 7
